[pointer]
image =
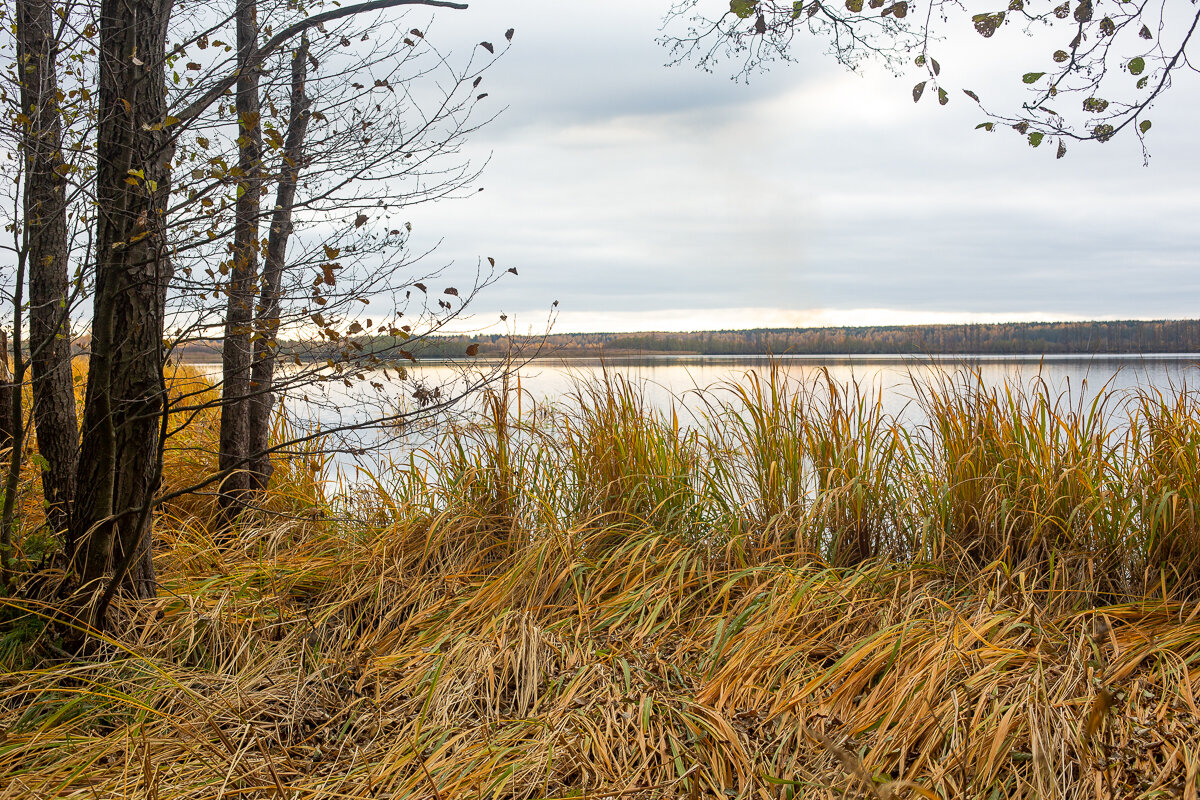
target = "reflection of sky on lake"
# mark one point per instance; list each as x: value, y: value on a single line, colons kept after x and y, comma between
x: 667, y: 377
x: 667, y: 380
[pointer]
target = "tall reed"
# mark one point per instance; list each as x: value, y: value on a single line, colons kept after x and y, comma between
x: 791, y: 593
x: 1165, y: 484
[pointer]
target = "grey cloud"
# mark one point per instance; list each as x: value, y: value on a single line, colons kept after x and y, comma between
x: 617, y: 184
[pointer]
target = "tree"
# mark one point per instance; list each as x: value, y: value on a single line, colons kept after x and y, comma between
x: 1106, y: 61
x: 46, y: 244
x: 237, y: 348
x: 41, y: 110
x: 158, y: 226
x: 123, y: 474
x: 375, y: 146
x: 269, y: 310
x: 125, y: 401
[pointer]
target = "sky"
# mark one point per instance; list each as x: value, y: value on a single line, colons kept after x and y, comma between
x: 643, y: 196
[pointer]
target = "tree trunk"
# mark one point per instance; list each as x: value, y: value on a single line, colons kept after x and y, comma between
x: 262, y: 376
x: 45, y: 212
x: 120, y: 460
x: 235, y: 357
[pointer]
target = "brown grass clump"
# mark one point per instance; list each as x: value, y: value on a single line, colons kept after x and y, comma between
x: 793, y: 596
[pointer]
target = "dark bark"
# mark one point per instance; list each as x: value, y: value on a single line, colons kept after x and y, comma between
x: 266, y: 326
x: 45, y: 219
x: 120, y: 459
x: 237, y: 350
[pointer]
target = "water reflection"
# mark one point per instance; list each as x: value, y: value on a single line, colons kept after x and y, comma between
x: 666, y: 377
x: 678, y: 381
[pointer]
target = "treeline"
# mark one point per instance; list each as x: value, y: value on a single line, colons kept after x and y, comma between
x: 1012, y: 338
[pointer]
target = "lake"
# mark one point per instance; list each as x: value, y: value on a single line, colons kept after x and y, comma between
x: 667, y: 377
x: 674, y: 379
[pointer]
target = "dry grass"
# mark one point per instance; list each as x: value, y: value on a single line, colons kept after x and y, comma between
x: 793, y: 597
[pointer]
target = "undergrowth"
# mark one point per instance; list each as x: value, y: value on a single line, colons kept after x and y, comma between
x: 790, y: 595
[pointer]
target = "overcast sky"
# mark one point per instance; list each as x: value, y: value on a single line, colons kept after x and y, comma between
x: 642, y: 196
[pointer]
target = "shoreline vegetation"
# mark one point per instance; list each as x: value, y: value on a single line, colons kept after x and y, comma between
x: 794, y: 597
x: 1125, y: 337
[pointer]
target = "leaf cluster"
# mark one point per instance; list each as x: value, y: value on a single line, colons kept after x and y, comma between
x: 1107, y: 61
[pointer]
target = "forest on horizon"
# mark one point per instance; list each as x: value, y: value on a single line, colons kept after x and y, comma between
x: 1010, y: 338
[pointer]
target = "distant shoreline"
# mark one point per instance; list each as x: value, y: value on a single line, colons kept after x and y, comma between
x: 1101, y: 339
x: 871, y: 358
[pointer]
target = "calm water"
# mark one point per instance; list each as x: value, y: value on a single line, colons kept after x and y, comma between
x: 667, y: 379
